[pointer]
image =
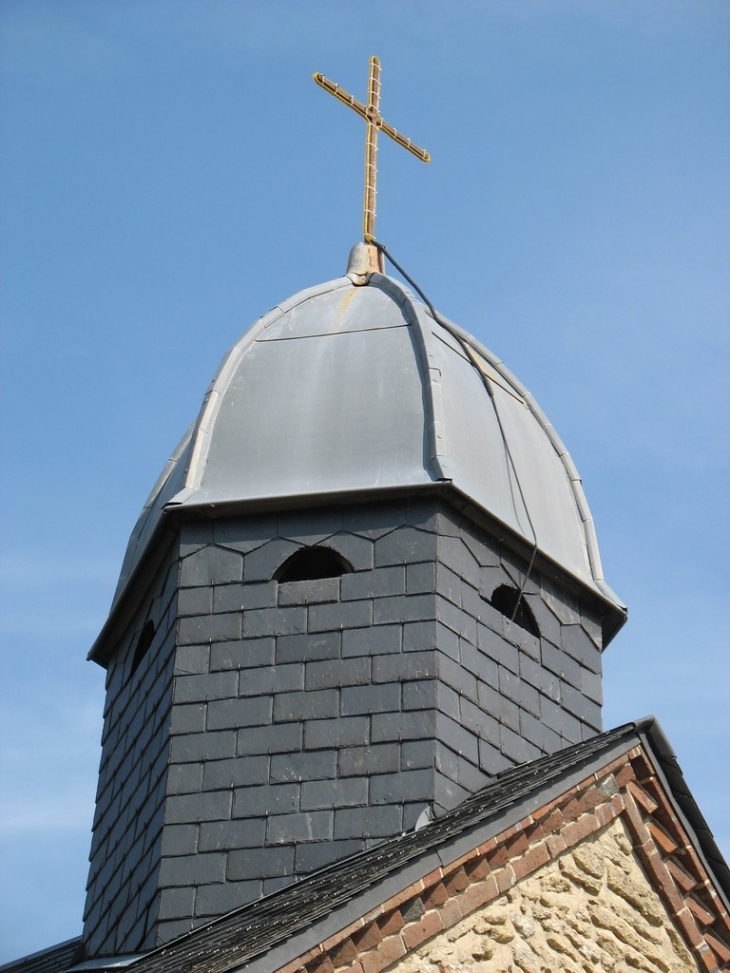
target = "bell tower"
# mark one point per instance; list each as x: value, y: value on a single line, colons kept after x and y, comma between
x: 365, y: 584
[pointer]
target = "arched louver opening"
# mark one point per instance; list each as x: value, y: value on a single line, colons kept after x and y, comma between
x: 143, y: 643
x: 311, y: 564
x: 509, y: 602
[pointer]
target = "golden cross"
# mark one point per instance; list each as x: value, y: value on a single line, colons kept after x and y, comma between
x: 375, y: 121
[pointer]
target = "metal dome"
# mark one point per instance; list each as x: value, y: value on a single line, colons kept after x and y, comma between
x: 352, y: 388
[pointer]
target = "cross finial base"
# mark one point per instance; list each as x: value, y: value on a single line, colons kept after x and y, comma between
x: 364, y: 260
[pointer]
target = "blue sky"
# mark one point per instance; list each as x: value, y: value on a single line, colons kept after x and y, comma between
x: 169, y: 171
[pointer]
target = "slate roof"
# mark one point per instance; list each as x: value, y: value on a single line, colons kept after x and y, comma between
x: 51, y: 960
x: 247, y: 933
x: 345, y: 391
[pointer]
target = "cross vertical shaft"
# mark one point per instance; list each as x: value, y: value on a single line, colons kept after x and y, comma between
x: 373, y: 121
x: 371, y: 152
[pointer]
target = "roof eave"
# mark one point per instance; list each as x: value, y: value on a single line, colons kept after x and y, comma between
x: 614, y: 614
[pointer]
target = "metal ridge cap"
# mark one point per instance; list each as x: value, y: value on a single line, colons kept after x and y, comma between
x: 305, y: 295
x: 597, y: 587
x: 160, y: 529
x: 576, y: 483
x: 203, y: 431
x: 132, y: 554
x: 432, y: 388
x: 198, y: 434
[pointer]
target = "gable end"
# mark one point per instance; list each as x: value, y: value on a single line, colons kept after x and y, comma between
x: 625, y: 803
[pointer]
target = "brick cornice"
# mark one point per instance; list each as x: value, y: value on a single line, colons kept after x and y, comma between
x: 627, y: 788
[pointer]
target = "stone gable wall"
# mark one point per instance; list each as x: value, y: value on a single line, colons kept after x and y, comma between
x: 592, y: 909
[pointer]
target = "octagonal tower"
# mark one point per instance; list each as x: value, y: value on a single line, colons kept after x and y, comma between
x: 366, y: 582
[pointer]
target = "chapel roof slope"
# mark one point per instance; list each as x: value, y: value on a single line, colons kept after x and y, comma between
x: 351, y: 389
x: 319, y: 904
x: 51, y: 960
x: 264, y: 936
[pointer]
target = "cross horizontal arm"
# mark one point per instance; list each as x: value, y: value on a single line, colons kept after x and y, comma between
x: 378, y: 120
x: 342, y: 95
x: 406, y: 143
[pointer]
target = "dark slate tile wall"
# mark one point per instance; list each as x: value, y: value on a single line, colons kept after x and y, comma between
x: 505, y: 695
x: 297, y: 706
x: 127, y: 829
x: 301, y: 722
x: 311, y: 719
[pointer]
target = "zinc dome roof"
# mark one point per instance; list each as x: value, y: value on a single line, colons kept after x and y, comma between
x: 353, y: 388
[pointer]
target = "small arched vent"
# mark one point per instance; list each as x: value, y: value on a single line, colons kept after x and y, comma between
x: 311, y: 564
x: 506, y: 599
x: 143, y: 643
